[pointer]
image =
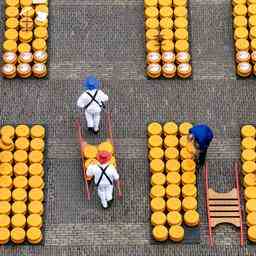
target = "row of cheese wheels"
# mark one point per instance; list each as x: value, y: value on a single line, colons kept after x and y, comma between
x: 21, y: 18
x: 244, y: 23
x: 248, y: 158
x: 160, y: 39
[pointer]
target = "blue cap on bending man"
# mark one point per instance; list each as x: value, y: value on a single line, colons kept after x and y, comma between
x: 201, y: 136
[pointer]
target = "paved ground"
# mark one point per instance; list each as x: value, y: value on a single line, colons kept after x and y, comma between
x: 106, y: 37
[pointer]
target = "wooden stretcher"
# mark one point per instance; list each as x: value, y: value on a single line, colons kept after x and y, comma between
x: 82, y: 142
x: 223, y: 207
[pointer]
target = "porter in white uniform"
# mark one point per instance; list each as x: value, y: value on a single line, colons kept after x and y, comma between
x: 92, y: 101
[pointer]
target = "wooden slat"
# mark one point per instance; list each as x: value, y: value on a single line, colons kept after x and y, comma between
x: 217, y: 221
x: 224, y: 214
x: 223, y: 202
x: 224, y: 208
x: 230, y: 195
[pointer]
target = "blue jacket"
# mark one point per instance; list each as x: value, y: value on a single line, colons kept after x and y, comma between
x: 203, y: 136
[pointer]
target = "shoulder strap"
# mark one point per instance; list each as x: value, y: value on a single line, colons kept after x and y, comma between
x: 93, y: 99
x: 103, y: 173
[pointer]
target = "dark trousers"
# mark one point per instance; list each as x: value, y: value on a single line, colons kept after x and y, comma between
x: 201, y: 159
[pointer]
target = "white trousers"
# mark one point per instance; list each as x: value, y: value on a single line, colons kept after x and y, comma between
x: 105, y: 193
x: 93, y: 120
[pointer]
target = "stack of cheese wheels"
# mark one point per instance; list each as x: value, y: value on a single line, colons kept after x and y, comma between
x: 25, y: 36
x: 90, y: 153
x: 167, y: 47
x: 248, y: 158
x: 173, y: 181
x: 21, y: 183
x: 244, y: 24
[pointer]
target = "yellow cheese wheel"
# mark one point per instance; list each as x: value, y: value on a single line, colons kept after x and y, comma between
x: 172, y: 165
x: 36, y: 169
x: 7, y: 131
x: 5, y: 207
x: 152, y: 34
x: 252, y: 9
x: 20, y: 156
x: 41, y: 32
x: 25, y: 36
x: 172, y: 190
x: 160, y: 233
x: 250, y: 205
x: 34, y: 220
x: 240, y: 21
x: 41, y: 8
x: 36, y: 194
x: 241, y: 33
x: 176, y: 233
x: 36, y: 157
x: 156, y: 153
x: 180, y: 11
x: 240, y: 10
x: 36, y: 182
x: 191, y: 218
x: 18, y: 235
x: 157, y: 165
x: 171, y: 141
x: 181, y: 34
x: 248, y: 131
x: 155, y: 141
x: 235, y: 2
x: 14, y: 3
x: 188, y: 165
x: 252, y: 21
x: 24, y: 47
x: 11, y: 12
x: 250, y: 180
x: 167, y: 46
x: 12, y: 23
x: 5, y: 194
x: 26, y: 23
x: 251, y: 2
x: 19, y: 207
x: 35, y: 207
x: 4, y: 221
x: 170, y: 128
x: 185, y: 154
x: 181, y: 22
x: 158, y: 179
x: 158, y: 204
x: 6, y: 157
x: 11, y: 34
x: 166, y: 23
x: 248, y: 155
x: 171, y: 153
x: 166, y: 11
x: 37, y: 131
x: 157, y: 191
x: 166, y: 34
x: 184, y: 128
x: 251, y: 232
x: 173, y: 204
x: 19, y: 194
x: 189, y: 203
x: 188, y: 178
x: 189, y: 190
x: 22, y: 130
x: 4, y: 236
x: 10, y: 46
x: 18, y: 221
x: 154, y: 129
x: 253, y: 33
x: 24, y: 3
x: 177, y: 3
x: 184, y: 141
x: 248, y: 143
x: 149, y: 3
x: 173, y: 178
x: 251, y: 219
x: 27, y: 11
x: 242, y: 45
x: 151, y: 23
x: 6, y: 140
x: 174, y: 218
x: 250, y: 193
x: 22, y: 143
x: 153, y: 46
x: 163, y: 3
x: 6, y: 169
x: 34, y: 235
x: 158, y: 218
x: 20, y: 169
x: 151, y: 12
x: 5, y: 182
x: 248, y: 167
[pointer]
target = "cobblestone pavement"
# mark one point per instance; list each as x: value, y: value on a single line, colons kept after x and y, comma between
x: 106, y: 37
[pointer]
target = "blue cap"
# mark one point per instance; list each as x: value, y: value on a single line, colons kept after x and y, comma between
x: 91, y: 83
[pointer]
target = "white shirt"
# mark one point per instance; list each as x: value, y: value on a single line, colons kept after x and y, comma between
x: 84, y: 99
x: 111, y: 172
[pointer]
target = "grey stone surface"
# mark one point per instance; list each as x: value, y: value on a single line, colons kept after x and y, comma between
x: 107, y: 38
